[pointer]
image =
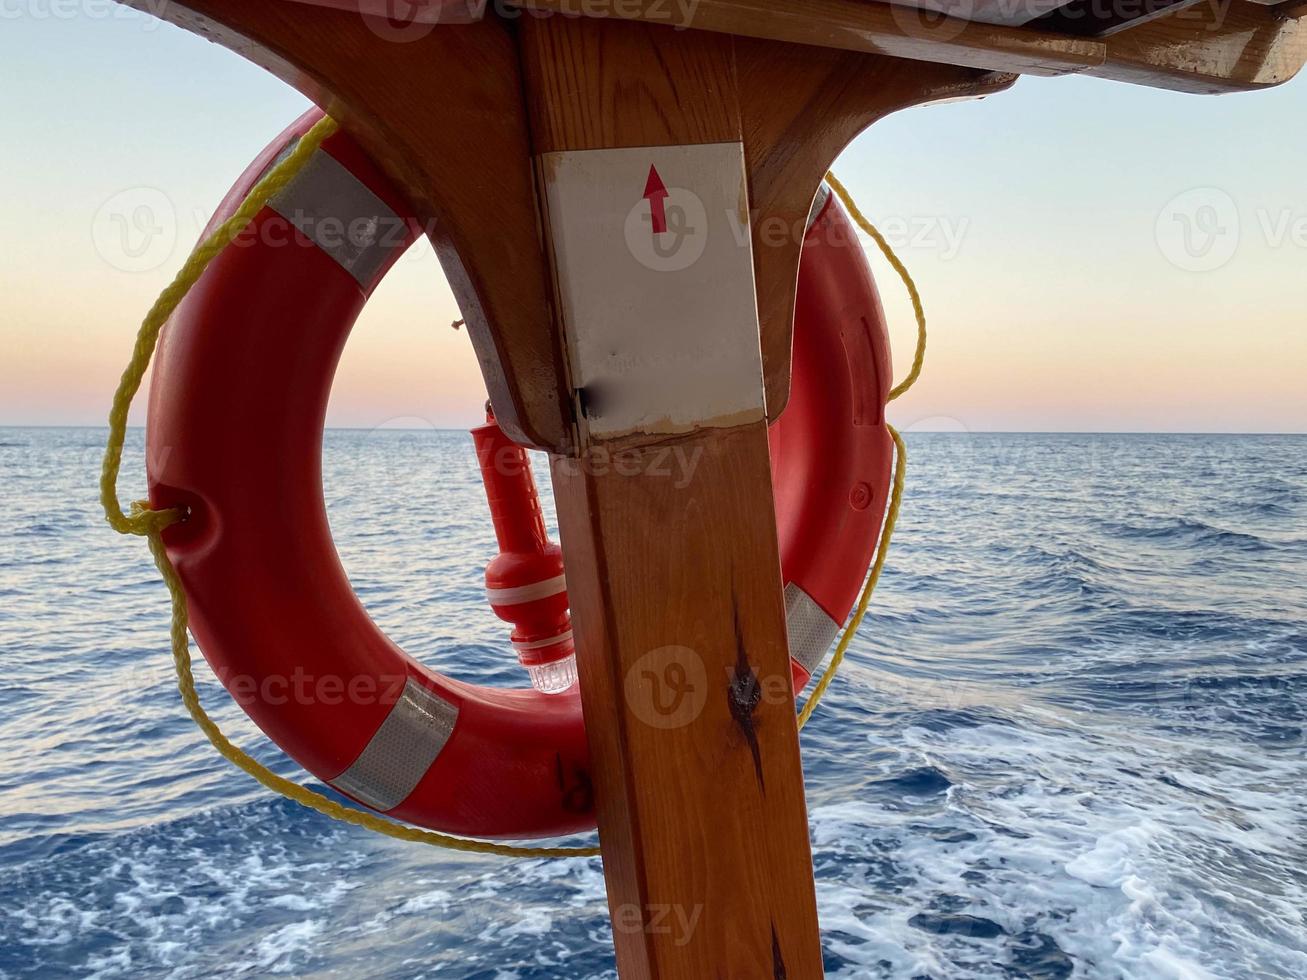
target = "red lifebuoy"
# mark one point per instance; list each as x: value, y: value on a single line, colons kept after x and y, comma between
x: 237, y: 406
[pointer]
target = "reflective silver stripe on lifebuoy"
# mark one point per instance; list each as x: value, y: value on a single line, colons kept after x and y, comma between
x: 809, y: 629
x: 341, y: 215
x: 401, y: 750
x: 528, y: 593
x: 818, y: 202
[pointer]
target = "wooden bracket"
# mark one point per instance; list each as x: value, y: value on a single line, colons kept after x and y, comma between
x: 800, y: 107
x: 442, y: 112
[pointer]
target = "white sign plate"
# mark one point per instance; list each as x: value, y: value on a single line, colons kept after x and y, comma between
x: 655, y: 281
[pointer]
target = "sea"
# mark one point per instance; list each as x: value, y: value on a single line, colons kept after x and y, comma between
x: 1069, y: 741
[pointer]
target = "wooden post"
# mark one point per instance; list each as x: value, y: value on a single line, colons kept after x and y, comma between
x: 685, y: 682
x: 666, y: 516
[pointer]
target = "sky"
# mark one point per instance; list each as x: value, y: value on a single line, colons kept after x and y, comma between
x: 1092, y: 256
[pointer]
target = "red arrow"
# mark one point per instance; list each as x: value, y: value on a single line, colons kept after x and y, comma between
x: 655, y: 191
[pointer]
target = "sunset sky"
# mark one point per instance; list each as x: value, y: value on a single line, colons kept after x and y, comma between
x: 1046, y: 227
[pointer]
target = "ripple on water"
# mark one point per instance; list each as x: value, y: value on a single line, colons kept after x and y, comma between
x: 1069, y: 742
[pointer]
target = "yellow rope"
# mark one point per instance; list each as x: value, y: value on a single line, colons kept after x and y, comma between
x: 864, y: 600
x: 900, y: 452
x: 919, y: 357
x: 141, y: 520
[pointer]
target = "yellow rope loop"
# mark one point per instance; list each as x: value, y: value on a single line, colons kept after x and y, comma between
x: 918, y: 310
x: 142, y: 520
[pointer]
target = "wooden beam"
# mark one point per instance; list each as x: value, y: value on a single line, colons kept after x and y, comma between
x: 1207, y: 48
x: 1189, y: 46
x: 409, y: 12
x: 674, y: 584
x: 1093, y: 18
x: 856, y: 25
x: 1008, y: 13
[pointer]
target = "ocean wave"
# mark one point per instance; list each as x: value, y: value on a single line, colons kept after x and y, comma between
x: 1067, y: 743
x: 1186, y: 531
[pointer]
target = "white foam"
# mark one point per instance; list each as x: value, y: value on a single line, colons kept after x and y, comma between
x: 277, y: 951
x: 1071, y: 834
